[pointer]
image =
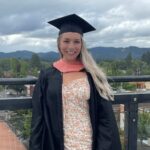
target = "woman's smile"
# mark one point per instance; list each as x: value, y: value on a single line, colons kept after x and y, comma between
x: 70, y: 45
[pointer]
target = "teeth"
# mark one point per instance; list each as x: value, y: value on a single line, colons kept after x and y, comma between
x: 70, y: 52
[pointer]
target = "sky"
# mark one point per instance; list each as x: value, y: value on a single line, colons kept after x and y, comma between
x: 118, y: 23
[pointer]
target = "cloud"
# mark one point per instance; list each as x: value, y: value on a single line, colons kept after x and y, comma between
x: 33, y: 44
x: 19, y: 23
x: 24, y: 24
x: 127, y: 29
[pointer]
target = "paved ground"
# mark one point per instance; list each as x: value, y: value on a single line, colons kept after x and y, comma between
x: 144, y: 147
x: 8, y: 140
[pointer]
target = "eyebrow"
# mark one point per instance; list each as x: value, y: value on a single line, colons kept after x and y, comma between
x: 70, y: 38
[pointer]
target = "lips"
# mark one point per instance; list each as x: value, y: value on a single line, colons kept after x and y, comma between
x: 71, y: 52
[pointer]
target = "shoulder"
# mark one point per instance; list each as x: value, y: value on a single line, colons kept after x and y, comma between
x: 48, y: 72
x: 46, y: 75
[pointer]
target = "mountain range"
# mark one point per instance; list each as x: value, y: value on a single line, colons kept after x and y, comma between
x: 99, y: 53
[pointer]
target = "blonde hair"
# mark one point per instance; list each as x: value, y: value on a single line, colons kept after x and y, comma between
x: 98, y: 76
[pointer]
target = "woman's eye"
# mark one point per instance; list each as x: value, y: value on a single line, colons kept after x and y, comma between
x: 77, y: 42
x: 66, y: 41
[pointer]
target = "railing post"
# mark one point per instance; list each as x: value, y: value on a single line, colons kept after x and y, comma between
x: 132, y: 120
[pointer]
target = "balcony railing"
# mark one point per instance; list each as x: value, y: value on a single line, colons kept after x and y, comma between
x: 129, y: 100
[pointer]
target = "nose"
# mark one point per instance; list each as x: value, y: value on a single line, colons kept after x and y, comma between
x: 71, y: 46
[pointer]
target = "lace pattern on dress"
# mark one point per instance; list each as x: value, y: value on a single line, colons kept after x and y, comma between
x: 77, y: 125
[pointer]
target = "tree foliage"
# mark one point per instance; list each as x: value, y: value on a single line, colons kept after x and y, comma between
x: 143, y: 125
x: 15, y: 66
x: 129, y: 59
x: 20, y: 121
x: 35, y: 61
x: 146, y: 57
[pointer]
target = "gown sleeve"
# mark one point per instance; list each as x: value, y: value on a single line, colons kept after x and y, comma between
x: 108, y: 135
x: 37, y: 115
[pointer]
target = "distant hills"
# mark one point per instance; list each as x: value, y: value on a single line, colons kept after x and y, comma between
x: 117, y: 53
x: 99, y: 53
x: 25, y: 54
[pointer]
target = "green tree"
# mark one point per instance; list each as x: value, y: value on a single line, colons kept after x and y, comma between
x: 129, y: 86
x: 129, y: 59
x: 146, y: 57
x: 16, y: 66
x: 1, y: 73
x: 137, y: 67
x: 114, y: 66
x: 24, y: 68
x: 35, y: 61
x: 5, y: 64
x: 143, y: 124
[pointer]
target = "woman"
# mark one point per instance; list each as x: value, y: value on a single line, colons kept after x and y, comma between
x: 72, y: 99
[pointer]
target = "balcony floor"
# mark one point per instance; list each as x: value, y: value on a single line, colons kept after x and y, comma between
x: 8, y: 140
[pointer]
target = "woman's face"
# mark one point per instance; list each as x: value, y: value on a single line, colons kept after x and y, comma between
x: 70, y: 45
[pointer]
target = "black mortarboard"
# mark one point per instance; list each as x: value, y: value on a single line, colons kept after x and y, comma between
x: 72, y: 23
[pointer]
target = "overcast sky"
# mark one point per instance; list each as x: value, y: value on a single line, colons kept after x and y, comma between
x: 119, y: 23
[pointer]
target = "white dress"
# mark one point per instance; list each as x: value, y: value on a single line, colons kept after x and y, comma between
x: 77, y: 125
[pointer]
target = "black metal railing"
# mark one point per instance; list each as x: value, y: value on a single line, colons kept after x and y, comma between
x: 130, y: 101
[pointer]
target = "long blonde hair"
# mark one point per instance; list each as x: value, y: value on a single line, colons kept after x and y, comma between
x: 98, y: 76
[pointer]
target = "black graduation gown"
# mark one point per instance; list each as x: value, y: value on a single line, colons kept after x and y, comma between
x: 47, y: 118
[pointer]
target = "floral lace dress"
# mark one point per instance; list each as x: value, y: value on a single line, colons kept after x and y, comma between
x: 77, y: 125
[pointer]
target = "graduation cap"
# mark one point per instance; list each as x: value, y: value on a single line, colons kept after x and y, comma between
x: 72, y: 23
